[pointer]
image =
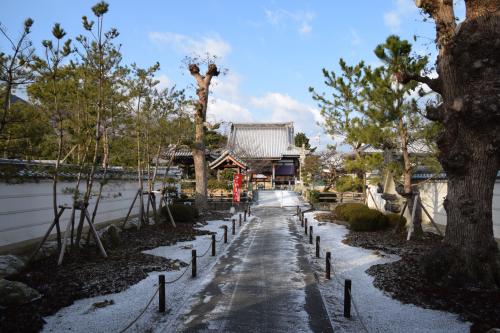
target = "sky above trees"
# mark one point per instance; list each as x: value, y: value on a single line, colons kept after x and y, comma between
x: 273, y: 50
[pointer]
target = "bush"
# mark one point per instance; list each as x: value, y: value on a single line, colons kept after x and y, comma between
x: 313, y: 196
x: 180, y: 213
x: 368, y: 220
x: 344, y: 211
x: 394, y: 220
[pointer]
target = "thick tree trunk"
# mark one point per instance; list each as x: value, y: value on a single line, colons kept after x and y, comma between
x: 468, y: 67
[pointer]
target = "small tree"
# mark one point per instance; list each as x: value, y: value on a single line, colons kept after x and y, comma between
x: 343, y: 113
x: 15, y: 68
x: 301, y: 139
x: 395, y: 121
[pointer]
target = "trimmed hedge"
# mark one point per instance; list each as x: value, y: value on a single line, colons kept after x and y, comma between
x: 180, y: 213
x: 344, y: 211
x: 362, y: 218
x: 368, y: 220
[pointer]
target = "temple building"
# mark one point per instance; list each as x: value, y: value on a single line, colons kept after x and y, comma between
x: 264, y: 152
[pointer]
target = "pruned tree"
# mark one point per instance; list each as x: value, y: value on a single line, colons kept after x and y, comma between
x: 343, y: 113
x: 203, y: 82
x: 49, y: 69
x: 395, y: 123
x: 469, y: 84
x: 302, y: 139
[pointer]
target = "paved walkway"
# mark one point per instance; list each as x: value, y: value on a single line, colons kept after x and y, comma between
x: 263, y: 284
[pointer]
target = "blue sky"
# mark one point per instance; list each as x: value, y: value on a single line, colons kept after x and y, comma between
x: 273, y: 50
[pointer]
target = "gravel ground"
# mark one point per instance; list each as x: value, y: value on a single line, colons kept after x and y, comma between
x: 86, y: 274
x: 405, y: 281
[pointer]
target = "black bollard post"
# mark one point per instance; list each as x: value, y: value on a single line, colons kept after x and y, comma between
x: 234, y: 227
x: 327, y: 268
x: 298, y: 210
x: 213, y: 245
x: 301, y: 220
x: 225, y: 234
x: 193, y: 262
x: 245, y: 217
x: 317, y: 246
x: 161, y: 292
x: 249, y: 211
x: 310, y: 234
x: 305, y: 226
x: 347, y: 298
x: 240, y: 219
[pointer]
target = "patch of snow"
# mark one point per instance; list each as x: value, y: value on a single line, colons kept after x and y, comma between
x: 82, y: 316
x: 377, y: 310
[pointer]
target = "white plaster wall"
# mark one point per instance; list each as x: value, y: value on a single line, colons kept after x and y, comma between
x: 26, y: 209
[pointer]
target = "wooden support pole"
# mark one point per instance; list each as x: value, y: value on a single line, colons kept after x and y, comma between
x: 347, y: 298
x: 317, y: 246
x: 431, y: 219
x: 130, y: 208
x: 47, y: 234
x: 328, y: 265
x: 96, y: 235
x: 161, y: 292
x: 193, y: 263
x: 213, y: 245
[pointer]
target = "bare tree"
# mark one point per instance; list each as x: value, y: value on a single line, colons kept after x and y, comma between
x: 200, y: 117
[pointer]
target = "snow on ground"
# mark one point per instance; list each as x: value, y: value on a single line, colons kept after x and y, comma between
x: 82, y: 316
x: 378, y: 311
x: 278, y: 198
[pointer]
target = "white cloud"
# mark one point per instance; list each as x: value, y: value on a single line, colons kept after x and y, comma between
x: 302, y: 20
x: 393, y: 18
x: 165, y: 82
x: 283, y: 108
x: 227, y: 86
x: 223, y: 110
x: 214, y: 44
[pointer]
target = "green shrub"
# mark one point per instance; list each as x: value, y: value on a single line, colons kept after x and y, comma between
x: 180, y: 213
x: 368, y: 220
x: 313, y: 196
x: 394, y: 220
x: 344, y: 211
x: 349, y: 184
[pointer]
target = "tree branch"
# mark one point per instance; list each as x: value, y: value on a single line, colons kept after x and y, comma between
x: 434, y: 84
x: 443, y: 14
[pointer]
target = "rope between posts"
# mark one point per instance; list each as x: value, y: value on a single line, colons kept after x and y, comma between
x: 142, y: 312
x: 178, y: 278
x: 337, y: 279
x: 209, y: 247
x: 158, y: 288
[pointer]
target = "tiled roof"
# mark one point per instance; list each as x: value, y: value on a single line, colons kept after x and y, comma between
x: 262, y: 140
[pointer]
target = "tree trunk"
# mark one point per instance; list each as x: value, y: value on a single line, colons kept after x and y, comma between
x: 468, y: 67
x: 200, y: 165
x: 409, y: 194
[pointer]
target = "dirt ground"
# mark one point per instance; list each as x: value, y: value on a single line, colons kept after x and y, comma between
x: 405, y: 281
x: 86, y: 274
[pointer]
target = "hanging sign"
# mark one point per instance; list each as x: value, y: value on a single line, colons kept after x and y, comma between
x: 237, y: 182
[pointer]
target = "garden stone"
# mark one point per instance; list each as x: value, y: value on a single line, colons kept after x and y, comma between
x: 10, y: 265
x: 16, y: 293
